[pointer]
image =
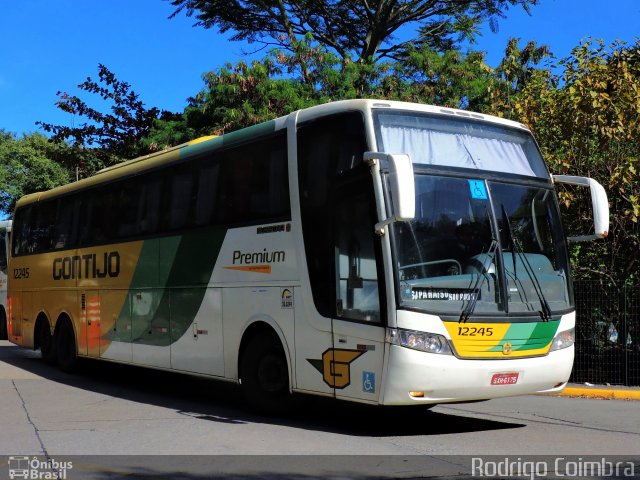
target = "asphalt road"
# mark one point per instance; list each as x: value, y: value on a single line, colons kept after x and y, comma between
x: 131, y: 413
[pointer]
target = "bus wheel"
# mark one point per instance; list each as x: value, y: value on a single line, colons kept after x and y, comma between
x: 264, y: 375
x: 66, y: 346
x: 46, y: 342
x: 3, y: 325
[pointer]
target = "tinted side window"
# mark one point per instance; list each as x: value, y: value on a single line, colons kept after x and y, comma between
x: 21, y: 231
x: 254, y: 185
x: 206, y: 200
x: 182, y: 196
x: 243, y: 184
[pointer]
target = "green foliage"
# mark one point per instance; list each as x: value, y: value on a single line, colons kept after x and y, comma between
x: 358, y: 29
x: 449, y: 79
x: 117, y: 135
x: 590, y: 125
x: 168, y: 130
x: 240, y: 95
x: 27, y: 166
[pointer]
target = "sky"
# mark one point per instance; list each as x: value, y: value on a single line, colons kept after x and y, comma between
x: 53, y: 45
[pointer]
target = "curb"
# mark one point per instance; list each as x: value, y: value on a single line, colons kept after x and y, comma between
x: 601, y: 392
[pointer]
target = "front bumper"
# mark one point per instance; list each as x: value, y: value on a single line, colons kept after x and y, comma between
x: 445, y: 378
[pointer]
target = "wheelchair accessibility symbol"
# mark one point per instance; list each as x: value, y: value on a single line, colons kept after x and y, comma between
x: 478, y: 190
x: 368, y: 382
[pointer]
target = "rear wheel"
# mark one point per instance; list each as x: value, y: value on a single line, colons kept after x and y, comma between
x: 46, y: 342
x: 66, y: 353
x: 264, y: 375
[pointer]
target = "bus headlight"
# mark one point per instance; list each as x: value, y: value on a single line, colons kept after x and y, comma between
x: 563, y: 340
x: 423, y: 341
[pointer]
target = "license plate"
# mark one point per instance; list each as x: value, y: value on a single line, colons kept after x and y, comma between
x: 504, y: 379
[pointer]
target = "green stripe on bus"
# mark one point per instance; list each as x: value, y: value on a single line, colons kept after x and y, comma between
x: 227, y: 139
x: 528, y: 336
x: 184, y: 266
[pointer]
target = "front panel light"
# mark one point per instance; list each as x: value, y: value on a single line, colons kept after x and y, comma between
x: 563, y: 340
x: 423, y: 341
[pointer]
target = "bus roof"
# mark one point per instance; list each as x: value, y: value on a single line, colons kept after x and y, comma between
x: 210, y: 143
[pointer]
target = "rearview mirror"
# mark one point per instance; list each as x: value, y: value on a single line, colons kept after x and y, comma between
x: 401, y: 186
x: 599, y: 204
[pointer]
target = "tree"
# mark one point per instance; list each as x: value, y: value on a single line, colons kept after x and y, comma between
x: 355, y: 29
x: 241, y: 94
x: 118, y: 135
x: 590, y: 125
x: 26, y: 166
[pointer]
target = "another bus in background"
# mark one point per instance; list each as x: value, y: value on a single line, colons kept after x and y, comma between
x: 5, y: 230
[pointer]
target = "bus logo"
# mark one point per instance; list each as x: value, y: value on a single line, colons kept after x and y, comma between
x: 287, y: 299
x: 34, y: 468
x: 18, y: 467
x: 335, y: 366
x: 507, y: 348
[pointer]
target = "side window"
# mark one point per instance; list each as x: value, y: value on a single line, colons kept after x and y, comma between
x: 181, y: 199
x: 63, y: 226
x: 149, y: 205
x: 102, y: 215
x: 207, y: 194
x: 21, y: 231
x: 127, y: 198
x: 254, y: 183
x: 44, y: 231
x: 356, y: 276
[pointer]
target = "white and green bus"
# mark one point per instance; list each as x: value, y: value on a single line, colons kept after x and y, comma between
x: 5, y: 230
x: 379, y: 252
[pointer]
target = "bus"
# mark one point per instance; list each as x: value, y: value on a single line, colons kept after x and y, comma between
x: 380, y: 252
x: 5, y: 229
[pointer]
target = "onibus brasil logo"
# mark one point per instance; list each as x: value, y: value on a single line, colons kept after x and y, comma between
x: 36, y: 469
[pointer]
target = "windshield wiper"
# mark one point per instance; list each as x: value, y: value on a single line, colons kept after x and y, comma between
x: 505, y: 219
x: 471, y: 305
x: 516, y: 248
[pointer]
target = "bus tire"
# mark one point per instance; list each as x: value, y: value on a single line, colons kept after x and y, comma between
x: 66, y: 353
x: 46, y: 342
x: 4, y: 334
x: 264, y: 375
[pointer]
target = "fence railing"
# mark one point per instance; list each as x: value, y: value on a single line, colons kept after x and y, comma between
x: 607, y: 334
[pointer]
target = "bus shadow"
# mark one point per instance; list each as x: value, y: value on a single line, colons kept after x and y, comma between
x: 216, y: 401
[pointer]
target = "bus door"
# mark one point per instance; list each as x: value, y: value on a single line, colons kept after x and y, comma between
x: 340, y: 346
x: 358, y: 332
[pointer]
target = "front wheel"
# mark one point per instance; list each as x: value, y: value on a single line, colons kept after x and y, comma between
x: 264, y: 375
x: 66, y: 353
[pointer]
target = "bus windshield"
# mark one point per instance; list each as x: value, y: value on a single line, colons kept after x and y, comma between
x: 472, y: 239
x: 486, y: 237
